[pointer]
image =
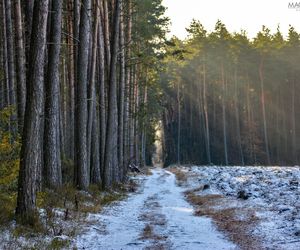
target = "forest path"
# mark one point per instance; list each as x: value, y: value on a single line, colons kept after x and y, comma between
x: 156, y: 217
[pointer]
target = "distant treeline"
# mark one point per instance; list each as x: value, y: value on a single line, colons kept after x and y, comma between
x: 231, y: 100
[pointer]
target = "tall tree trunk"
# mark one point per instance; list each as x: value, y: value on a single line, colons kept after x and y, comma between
x: 81, y: 98
x: 52, y: 158
x: 110, y: 162
x: 107, y: 34
x: 224, y: 114
x: 132, y: 112
x: 92, y: 99
x: 144, y: 137
x: 76, y: 22
x: 32, y: 132
x: 179, y: 124
x: 2, y: 80
x: 102, y: 94
x: 10, y: 51
x: 294, y: 137
x: 5, y: 60
x: 29, y: 4
x: 263, y: 105
x: 71, y: 40
x: 121, y: 97
x: 237, y: 118
x: 127, y: 91
x: 136, y: 119
x: 249, y: 122
x: 20, y: 64
x: 95, y: 156
x: 206, y: 115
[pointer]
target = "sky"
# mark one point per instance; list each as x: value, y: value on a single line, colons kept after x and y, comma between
x: 236, y: 14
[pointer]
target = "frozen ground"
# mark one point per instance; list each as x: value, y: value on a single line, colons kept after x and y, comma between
x: 157, y: 217
x: 274, y: 195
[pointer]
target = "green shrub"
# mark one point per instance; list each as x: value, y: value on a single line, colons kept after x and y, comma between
x: 9, y: 166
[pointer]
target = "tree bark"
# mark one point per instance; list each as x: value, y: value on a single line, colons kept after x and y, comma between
x: 179, y: 124
x: 71, y: 40
x: 237, y: 119
x: 206, y: 116
x: 121, y: 97
x: 224, y: 115
x: 127, y: 91
x: 110, y: 162
x: 107, y: 34
x: 92, y: 122
x: 20, y: 64
x: 29, y: 4
x: 102, y: 94
x: 10, y: 52
x: 30, y: 151
x: 294, y: 136
x: 52, y: 158
x: 263, y: 105
x: 81, y: 165
x: 5, y: 60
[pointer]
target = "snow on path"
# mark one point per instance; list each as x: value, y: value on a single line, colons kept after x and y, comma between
x: 121, y: 226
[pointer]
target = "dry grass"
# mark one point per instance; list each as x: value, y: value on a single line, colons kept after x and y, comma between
x: 149, y: 234
x: 146, y: 170
x: 154, y: 221
x: 235, y: 222
x: 206, y: 200
x: 158, y: 246
x: 154, y: 218
x: 181, y: 177
x: 152, y: 214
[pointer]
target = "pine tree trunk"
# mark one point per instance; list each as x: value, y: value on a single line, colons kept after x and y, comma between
x: 132, y: 112
x: 2, y: 65
x: 121, y: 98
x: 92, y: 122
x: 10, y: 51
x: 28, y: 27
x: 127, y: 92
x: 237, y: 117
x: 52, y: 158
x: 102, y: 93
x: 95, y: 156
x: 206, y: 116
x: 143, y: 137
x: 263, y: 105
x: 20, y: 64
x: 71, y: 79
x: 32, y: 132
x: 107, y: 34
x: 179, y: 125
x: 294, y: 137
x: 111, y: 154
x: 136, y: 125
x: 6, y: 101
x: 249, y: 121
x: 224, y: 115
x: 81, y: 164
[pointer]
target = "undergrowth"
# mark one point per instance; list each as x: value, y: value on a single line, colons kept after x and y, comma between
x: 59, y: 212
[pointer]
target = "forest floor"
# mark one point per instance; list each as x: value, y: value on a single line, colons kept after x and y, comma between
x: 186, y: 208
x: 156, y: 217
x: 256, y: 207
